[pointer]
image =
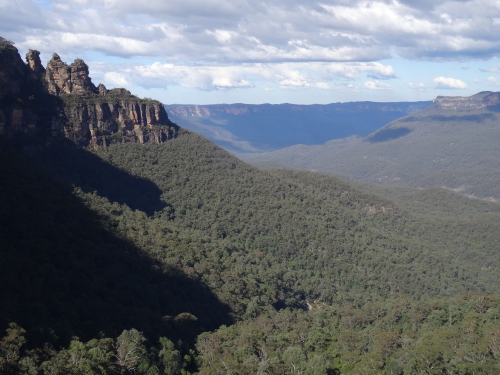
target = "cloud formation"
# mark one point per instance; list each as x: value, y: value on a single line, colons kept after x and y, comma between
x: 377, y: 85
x: 284, y: 75
x: 417, y: 86
x: 248, y: 31
x: 218, y: 45
x: 449, y: 83
x: 493, y: 80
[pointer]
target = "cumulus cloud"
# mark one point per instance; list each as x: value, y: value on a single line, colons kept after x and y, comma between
x: 449, y: 83
x: 493, y: 80
x: 249, y: 75
x: 377, y: 85
x: 116, y: 79
x: 417, y: 86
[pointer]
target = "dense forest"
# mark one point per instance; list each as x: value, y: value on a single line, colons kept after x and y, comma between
x: 179, y: 258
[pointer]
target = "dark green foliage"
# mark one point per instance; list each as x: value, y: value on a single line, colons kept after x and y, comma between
x: 151, y: 238
x: 459, y: 335
x: 63, y: 273
x: 282, y: 237
x: 127, y: 354
x: 112, y: 96
x: 6, y: 44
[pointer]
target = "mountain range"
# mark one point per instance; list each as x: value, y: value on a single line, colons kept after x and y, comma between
x: 242, y: 128
x: 130, y: 245
x: 451, y: 143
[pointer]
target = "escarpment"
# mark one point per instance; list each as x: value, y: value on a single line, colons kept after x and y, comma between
x: 481, y: 100
x: 116, y: 115
x: 61, y: 102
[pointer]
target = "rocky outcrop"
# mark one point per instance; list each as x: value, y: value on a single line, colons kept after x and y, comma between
x: 64, y: 79
x: 62, y: 102
x: 12, y: 70
x: 36, y: 69
x: 481, y: 100
x: 15, y: 116
x: 129, y: 120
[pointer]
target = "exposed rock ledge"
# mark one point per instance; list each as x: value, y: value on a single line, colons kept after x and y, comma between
x: 481, y: 100
x: 62, y: 102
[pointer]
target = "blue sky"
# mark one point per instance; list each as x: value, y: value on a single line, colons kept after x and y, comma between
x: 277, y: 51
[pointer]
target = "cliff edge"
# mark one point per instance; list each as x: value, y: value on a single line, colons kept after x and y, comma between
x: 61, y: 102
x: 480, y: 100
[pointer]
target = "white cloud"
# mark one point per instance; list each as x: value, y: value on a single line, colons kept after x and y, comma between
x: 248, y: 75
x: 493, y: 80
x: 244, y: 31
x: 116, y: 79
x: 377, y: 85
x: 449, y: 83
x: 222, y: 36
x: 417, y: 86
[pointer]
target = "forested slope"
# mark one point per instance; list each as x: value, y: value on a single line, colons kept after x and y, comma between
x: 178, y: 238
x: 292, y: 236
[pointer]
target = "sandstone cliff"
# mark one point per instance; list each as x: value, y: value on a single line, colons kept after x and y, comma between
x: 481, y: 100
x: 64, y: 79
x: 16, y: 115
x: 117, y: 115
x: 61, y: 102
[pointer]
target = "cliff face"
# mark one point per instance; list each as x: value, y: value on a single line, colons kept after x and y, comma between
x: 62, y: 102
x: 64, y: 79
x: 15, y: 115
x: 478, y: 101
x: 128, y: 120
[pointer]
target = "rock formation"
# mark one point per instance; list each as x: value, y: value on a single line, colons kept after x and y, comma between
x: 64, y: 79
x: 132, y: 119
x: 12, y: 70
x: 14, y: 116
x: 37, y: 71
x: 478, y: 101
x: 70, y: 106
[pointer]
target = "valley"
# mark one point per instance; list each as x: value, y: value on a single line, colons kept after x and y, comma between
x: 130, y: 244
x: 243, y: 128
x: 451, y: 143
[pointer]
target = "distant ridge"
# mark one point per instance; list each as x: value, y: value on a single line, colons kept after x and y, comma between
x: 451, y: 143
x: 266, y: 127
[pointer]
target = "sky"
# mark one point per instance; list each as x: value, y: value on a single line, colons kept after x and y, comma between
x: 277, y: 51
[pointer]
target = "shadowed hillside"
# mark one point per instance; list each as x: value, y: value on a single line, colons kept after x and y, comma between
x: 65, y: 273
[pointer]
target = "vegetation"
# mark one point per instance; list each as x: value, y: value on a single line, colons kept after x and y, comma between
x: 114, y: 96
x: 458, y: 335
x: 432, y: 147
x: 6, y: 44
x: 179, y: 258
